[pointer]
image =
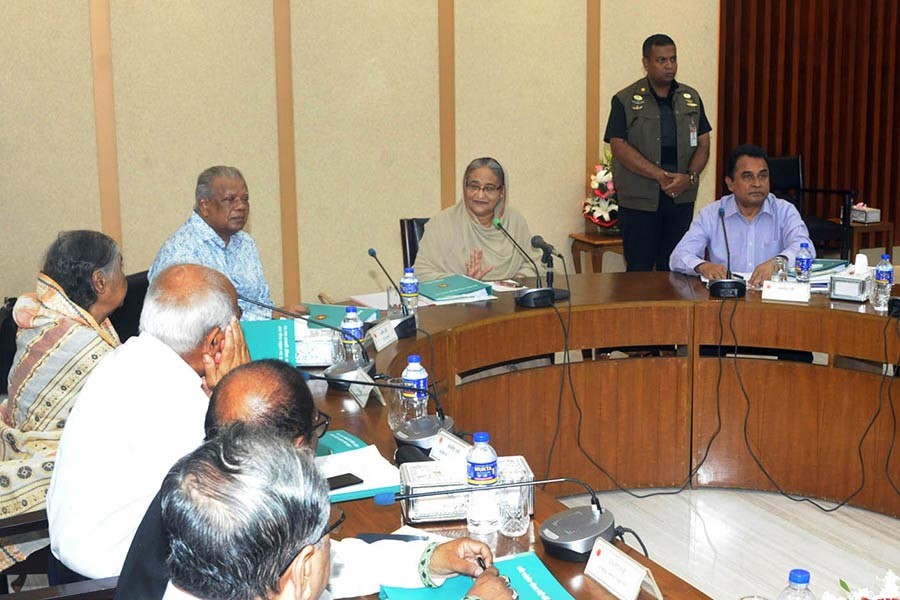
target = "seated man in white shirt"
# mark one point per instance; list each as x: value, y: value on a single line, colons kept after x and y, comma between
x: 247, y: 515
x: 141, y: 409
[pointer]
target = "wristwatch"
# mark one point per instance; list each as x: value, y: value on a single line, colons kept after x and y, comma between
x: 692, y: 175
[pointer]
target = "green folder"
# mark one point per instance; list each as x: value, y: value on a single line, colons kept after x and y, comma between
x: 527, y: 575
x: 451, y: 286
x: 337, y: 441
x: 333, y: 314
x: 271, y: 339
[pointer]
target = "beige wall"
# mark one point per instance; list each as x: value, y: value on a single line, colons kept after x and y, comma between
x: 366, y: 121
x: 194, y: 86
x: 48, y: 156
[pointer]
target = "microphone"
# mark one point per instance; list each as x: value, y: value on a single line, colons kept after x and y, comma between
x: 406, y: 326
x: 729, y: 287
x: 538, y: 297
x: 547, y: 258
x: 539, y: 243
x: 568, y: 535
x: 339, y: 368
x: 420, y: 432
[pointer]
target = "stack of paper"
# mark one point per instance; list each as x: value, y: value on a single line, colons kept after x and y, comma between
x: 455, y: 289
x: 378, y: 475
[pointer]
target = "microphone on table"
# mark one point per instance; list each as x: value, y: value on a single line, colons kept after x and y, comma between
x: 730, y: 287
x: 538, y: 297
x: 548, y: 252
x: 568, y: 535
x: 419, y: 433
x: 406, y: 326
x: 335, y: 371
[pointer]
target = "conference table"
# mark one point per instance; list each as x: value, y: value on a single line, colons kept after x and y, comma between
x: 364, y: 516
x: 678, y: 406
x: 648, y: 419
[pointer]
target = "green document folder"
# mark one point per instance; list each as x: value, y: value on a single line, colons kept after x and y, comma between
x: 527, y: 575
x: 337, y: 441
x: 271, y: 339
x: 333, y: 314
x: 451, y: 286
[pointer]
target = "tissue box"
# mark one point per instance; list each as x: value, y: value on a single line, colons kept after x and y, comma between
x: 430, y: 476
x: 865, y: 215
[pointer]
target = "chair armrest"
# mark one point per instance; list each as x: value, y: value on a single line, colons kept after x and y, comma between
x: 24, y: 523
x: 92, y: 589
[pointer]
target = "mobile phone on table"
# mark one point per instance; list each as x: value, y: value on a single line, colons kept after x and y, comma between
x: 341, y: 481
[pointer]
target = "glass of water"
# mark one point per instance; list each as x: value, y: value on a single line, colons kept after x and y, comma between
x: 513, y: 502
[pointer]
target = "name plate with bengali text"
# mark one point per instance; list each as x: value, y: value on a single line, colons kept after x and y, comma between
x: 785, y: 291
x: 620, y: 574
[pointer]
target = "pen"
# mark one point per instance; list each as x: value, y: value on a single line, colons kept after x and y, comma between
x: 481, y: 564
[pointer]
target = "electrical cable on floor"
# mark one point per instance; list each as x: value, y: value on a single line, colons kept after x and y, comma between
x: 758, y: 462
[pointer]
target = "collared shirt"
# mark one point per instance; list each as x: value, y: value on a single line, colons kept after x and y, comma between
x: 776, y: 229
x: 141, y: 409
x: 196, y: 242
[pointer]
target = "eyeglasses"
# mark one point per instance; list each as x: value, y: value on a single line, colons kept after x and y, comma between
x: 488, y: 189
x: 321, y: 426
x: 331, y: 527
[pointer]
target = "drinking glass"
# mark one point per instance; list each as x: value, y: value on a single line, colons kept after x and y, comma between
x: 513, y: 502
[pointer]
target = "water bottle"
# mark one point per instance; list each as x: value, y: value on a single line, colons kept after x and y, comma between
x: 352, y: 335
x: 803, y: 263
x: 483, y: 517
x: 798, y: 586
x: 409, y: 291
x: 884, y: 281
x: 415, y: 377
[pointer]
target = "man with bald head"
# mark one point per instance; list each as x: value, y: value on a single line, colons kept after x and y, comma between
x: 140, y: 410
x: 273, y: 397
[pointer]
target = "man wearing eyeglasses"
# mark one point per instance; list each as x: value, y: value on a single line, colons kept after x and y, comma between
x: 248, y: 518
x: 214, y: 236
x: 272, y: 396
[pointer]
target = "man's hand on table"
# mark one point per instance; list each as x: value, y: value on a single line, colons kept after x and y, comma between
x: 712, y: 271
x: 490, y: 585
x: 460, y: 557
x: 763, y: 272
x: 233, y: 354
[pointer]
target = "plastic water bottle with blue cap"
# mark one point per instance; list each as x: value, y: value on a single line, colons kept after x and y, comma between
x: 803, y: 263
x: 798, y: 586
x: 352, y: 335
x: 483, y: 516
x: 409, y: 291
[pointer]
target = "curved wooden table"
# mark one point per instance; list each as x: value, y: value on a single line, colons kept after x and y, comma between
x: 647, y: 421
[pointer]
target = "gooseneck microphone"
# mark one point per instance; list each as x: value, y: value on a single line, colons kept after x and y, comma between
x: 730, y: 287
x: 538, y: 297
x: 539, y: 243
x: 568, y: 535
x: 338, y: 368
x: 406, y: 326
x: 499, y: 225
x: 390, y: 279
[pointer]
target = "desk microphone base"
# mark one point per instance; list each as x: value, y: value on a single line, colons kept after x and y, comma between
x: 570, y: 535
x: 727, y: 288
x: 341, y: 370
x: 535, y: 297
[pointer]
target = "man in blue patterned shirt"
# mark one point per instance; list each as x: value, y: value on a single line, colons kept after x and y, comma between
x: 213, y: 237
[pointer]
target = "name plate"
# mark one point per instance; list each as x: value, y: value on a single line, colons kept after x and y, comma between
x: 620, y: 574
x: 449, y: 447
x: 785, y: 291
x: 383, y: 334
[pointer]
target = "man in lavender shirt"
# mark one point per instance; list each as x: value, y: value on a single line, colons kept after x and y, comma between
x: 760, y: 226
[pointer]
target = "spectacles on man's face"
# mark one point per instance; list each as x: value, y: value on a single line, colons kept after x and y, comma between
x: 488, y: 189
x: 341, y: 517
x: 321, y: 425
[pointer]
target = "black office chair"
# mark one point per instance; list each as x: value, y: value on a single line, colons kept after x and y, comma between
x: 411, y: 231
x: 126, y: 319
x: 92, y: 589
x: 786, y: 181
x: 8, y: 329
x: 36, y: 563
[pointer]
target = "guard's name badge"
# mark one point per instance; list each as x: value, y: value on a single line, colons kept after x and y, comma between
x: 693, y: 136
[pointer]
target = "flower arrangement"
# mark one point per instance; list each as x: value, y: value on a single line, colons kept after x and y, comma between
x: 602, y: 207
x: 890, y: 590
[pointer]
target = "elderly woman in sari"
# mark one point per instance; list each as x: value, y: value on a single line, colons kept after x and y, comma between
x: 463, y: 238
x: 64, y: 331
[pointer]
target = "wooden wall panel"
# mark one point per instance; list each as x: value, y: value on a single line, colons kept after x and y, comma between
x: 817, y: 78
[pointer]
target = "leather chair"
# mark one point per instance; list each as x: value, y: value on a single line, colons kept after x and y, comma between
x: 8, y: 329
x: 92, y: 589
x: 411, y: 231
x: 786, y: 181
x: 36, y: 563
x: 126, y: 319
